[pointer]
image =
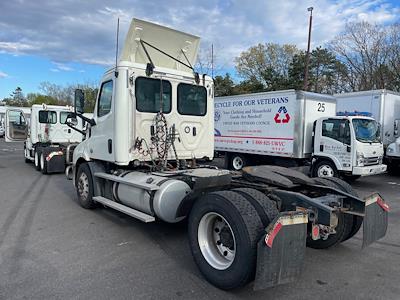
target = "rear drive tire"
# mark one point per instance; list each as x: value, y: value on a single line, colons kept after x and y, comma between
x: 84, y: 187
x: 343, y: 229
x: 37, y: 159
x: 324, y: 168
x: 43, y: 163
x: 357, y: 220
x: 224, y: 229
x: 265, y: 207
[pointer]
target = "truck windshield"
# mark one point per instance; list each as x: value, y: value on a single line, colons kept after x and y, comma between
x: 367, y: 131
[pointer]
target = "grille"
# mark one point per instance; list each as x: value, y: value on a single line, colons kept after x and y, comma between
x: 369, y: 161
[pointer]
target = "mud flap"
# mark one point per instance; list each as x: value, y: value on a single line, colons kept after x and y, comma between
x: 375, y: 220
x: 281, y: 251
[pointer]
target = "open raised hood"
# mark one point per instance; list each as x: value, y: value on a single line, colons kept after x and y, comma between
x: 168, y: 40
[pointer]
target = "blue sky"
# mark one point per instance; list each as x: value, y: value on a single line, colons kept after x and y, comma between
x: 73, y: 41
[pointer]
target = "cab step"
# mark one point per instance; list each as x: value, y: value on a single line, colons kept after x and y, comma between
x: 125, y: 209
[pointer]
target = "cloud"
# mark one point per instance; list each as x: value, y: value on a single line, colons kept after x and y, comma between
x: 60, y: 32
x: 3, y: 75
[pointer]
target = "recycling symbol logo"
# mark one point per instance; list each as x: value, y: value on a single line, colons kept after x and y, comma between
x: 282, y: 112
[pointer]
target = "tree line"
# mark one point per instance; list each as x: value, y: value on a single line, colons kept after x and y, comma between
x: 53, y: 94
x: 363, y: 57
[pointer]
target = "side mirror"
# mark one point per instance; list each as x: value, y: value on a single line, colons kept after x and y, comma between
x: 71, y: 120
x: 79, y: 102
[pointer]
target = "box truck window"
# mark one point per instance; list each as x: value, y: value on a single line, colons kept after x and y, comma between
x: 192, y: 99
x: 105, y: 98
x: 148, y: 91
x: 47, y: 116
x: 337, y: 129
x: 367, y: 131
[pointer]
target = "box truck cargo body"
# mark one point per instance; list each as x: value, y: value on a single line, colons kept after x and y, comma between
x: 383, y: 105
x: 295, y: 127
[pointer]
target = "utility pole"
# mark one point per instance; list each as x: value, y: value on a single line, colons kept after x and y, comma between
x: 310, y: 9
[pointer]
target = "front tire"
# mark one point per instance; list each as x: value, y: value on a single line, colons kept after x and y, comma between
x: 43, y: 163
x: 324, y: 168
x: 84, y: 186
x: 37, y: 160
x: 224, y: 229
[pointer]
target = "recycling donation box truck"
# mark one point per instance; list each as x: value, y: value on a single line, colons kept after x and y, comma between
x: 296, y: 128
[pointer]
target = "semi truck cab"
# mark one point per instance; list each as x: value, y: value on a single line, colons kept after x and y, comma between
x: 347, y: 144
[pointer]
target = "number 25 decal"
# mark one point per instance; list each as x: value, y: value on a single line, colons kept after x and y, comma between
x: 321, y: 107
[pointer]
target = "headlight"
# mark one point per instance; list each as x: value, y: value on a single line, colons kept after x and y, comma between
x: 389, y: 150
x: 360, y: 159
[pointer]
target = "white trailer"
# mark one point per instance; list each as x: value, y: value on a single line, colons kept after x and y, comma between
x: 295, y: 128
x: 47, y: 135
x: 153, y: 117
x: 384, y: 106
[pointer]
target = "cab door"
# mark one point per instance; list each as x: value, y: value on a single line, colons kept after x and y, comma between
x: 334, y: 142
x: 16, y: 126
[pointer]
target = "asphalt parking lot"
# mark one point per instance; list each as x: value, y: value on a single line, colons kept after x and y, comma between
x: 50, y: 248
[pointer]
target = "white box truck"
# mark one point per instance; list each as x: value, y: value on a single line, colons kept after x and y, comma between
x: 48, y: 137
x: 295, y: 128
x: 153, y: 117
x: 383, y: 106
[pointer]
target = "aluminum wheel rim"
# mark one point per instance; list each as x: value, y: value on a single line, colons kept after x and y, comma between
x: 83, y: 186
x: 325, y: 171
x: 36, y: 159
x: 237, y: 163
x: 217, y: 254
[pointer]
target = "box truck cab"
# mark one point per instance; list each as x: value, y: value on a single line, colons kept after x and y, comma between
x: 296, y: 128
x: 47, y: 135
x: 348, y: 145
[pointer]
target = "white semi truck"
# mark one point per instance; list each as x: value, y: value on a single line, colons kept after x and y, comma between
x: 384, y: 106
x: 153, y: 118
x: 296, y: 128
x: 48, y: 137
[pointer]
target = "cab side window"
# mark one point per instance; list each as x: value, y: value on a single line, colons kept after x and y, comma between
x: 337, y: 129
x: 105, y: 98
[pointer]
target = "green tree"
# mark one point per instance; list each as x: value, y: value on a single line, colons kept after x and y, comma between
x: 267, y: 63
x: 16, y: 98
x: 326, y: 73
x: 223, y: 86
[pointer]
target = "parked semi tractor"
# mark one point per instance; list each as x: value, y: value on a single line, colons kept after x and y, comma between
x: 153, y: 118
x: 295, y: 128
x: 384, y: 106
x: 48, y: 137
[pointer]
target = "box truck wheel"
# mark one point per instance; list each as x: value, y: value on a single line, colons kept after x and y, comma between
x: 43, y: 162
x: 357, y: 220
x: 343, y: 229
x: 324, y: 168
x: 224, y: 229
x: 84, y: 186
x: 236, y: 161
x: 37, y: 159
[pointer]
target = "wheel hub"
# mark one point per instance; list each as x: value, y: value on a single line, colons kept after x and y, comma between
x: 216, y: 241
x: 83, y: 186
x: 325, y: 171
